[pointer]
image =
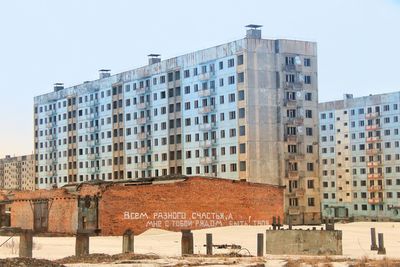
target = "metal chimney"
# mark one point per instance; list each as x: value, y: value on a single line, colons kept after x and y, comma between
x: 253, y: 32
x: 104, y: 73
x: 154, y: 58
x: 58, y: 87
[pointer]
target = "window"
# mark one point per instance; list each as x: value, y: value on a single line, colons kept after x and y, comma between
x: 307, y: 62
x: 231, y: 63
x: 308, y: 113
x: 307, y: 79
x: 308, y: 97
x: 231, y: 80
x: 311, y: 202
x: 240, y: 60
x: 240, y: 77
x: 186, y: 74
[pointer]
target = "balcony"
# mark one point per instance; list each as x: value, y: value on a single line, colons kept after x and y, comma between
x: 374, y: 151
x: 141, y: 121
x: 206, y: 92
x: 293, y: 68
x: 143, y: 150
x: 372, y: 115
x: 294, y: 156
x: 92, y: 142
x: 206, y: 76
x: 95, y: 170
x: 299, y: 192
x: 292, y: 103
x: 143, y: 165
x: 51, y: 137
x: 372, y: 127
x: 142, y: 105
x: 51, y: 112
x: 93, y: 102
x: 207, y: 126
x: 206, y: 109
x: 375, y: 188
x: 375, y: 176
x: 372, y: 164
x: 94, y: 129
x: 50, y: 125
x: 373, y: 139
x: 92, y: 116
x: 95, y: 156
x: 294, y: 210
x: 296, y: 121
x: 375, y: 200
x: 208, y: 143
x: 208, y: 160
x: 291, y: 138
x: 143, y: 136
x: 51, y: 173
x: 292, y: 174
x: 144, y: 90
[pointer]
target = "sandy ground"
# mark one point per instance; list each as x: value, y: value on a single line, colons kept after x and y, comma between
x: 356, y: 242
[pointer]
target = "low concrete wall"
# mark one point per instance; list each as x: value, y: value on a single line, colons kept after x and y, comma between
x: 304, y: 242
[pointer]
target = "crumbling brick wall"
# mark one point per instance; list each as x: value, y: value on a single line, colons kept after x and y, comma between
x: 192, y: 204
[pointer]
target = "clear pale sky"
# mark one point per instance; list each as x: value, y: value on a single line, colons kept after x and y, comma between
x: 43, y: 42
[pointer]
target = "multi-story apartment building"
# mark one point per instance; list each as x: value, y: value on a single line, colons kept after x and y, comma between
x: 245, y: 110
x: 360, y: 157
x: 17, y: 173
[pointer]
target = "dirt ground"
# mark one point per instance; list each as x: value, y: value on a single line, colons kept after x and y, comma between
x: 162, y: 248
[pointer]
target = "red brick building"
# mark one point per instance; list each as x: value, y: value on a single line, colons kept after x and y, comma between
x: 171, y: 203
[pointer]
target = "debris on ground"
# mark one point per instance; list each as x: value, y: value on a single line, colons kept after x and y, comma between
x: 105, y: 258
x: 28, y: 262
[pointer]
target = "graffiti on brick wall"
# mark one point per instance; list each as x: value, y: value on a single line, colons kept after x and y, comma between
x: 189, y: 219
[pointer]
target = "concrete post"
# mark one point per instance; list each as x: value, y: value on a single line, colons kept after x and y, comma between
x: 373, y: 240
x: 274, y: 223
x: 279, y: 223
x: 187, y: 242
x: 209, y: 244
x: 260, y: 245
x: 81, y: 244
x: 25, y: 243
x: 128, y: 242
x: 381, y: 248
x: 290, y: 222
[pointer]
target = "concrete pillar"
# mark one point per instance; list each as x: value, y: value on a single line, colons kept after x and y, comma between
x: 128, y: 241
x: 274, y: 223
x: 279, y: 222
x: 187, y: 242
x: 260, y: 245
x: 381, y: 245
x: 290, y: 222
x: 209, y: 244
x: 373, y: 240
x: 25, y: 243
x: 81, y: 244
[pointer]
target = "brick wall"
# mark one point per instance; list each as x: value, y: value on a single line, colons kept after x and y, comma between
x: 194, y: 203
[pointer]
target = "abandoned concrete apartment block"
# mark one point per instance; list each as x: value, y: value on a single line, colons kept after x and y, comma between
x: 244, y: 110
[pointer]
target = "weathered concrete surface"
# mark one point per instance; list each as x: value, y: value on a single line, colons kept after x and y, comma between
x: 304, y: 242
